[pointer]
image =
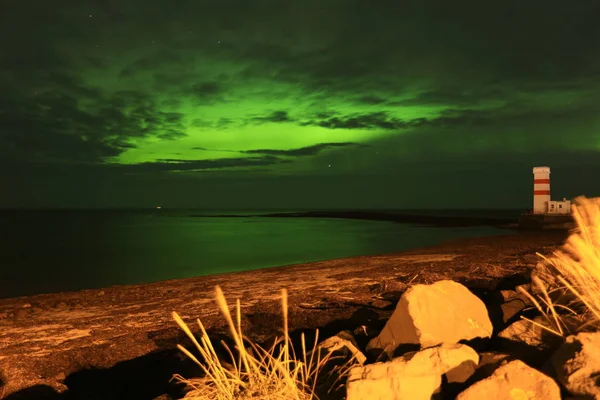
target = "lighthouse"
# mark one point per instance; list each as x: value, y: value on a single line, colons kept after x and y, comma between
x: 546, y: 213
x: 541, y: 189
x: 541, y: 194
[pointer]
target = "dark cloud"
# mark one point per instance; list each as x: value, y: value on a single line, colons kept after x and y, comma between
x: 204, y: 89
x: 205, y: 92
x: 299, y: 152
x: 371, y: 100
x: 219, y: 124
x: 51, y: 123
x: 452, y: 96
x: 303, y: 151
x: 376, y: 120
x: 171, y: 165
x: 275, y: 116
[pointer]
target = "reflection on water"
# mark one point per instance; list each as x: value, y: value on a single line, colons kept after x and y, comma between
x: 50, y: 251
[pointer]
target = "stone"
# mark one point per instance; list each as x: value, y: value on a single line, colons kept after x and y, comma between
x: 511, y: 308
x: 529, y: 342
x: 513, y: 380
x: 489, y: 361
x: 429, y: 315
x: 342, y: 352
x: 576, y: 364
x: 526, y: 287
x: 525, y: 332
x: 343, y: 345
x: 380, y: 386
x: 416, y: 375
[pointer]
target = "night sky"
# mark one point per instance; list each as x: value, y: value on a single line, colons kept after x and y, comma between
x: 297, y: 104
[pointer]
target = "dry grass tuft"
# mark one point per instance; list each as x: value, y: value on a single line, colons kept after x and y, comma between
x: 568, y: 283
x: 256, y: 373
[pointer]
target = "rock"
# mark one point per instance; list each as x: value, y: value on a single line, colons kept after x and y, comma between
x: 101, y: 293
x: 508, y: 295
x: 388, y: 285
x: 379, y: 386
x: 362, y: 330
x: 529, y: 342
x: 577, y: 364
x: 513, y: 380
x: 511, y: 308
x: 345, y: 346
x: 429, y: 315
x: 489, y: 361
x: 525, y: 287
x: 525, y: 332
x: 517, y: 294
x: 343, y: 352
x: 412, y: 376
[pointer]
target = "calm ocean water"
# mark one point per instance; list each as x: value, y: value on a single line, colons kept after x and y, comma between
x: 57, y: 251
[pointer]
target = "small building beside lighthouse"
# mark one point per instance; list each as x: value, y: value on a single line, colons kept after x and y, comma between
x: 546, y: 213
x: 559, y: 207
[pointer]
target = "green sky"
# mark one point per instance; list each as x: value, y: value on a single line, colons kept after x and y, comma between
x: 236, y: 104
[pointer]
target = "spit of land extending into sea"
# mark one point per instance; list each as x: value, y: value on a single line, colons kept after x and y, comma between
x: 119, y: 342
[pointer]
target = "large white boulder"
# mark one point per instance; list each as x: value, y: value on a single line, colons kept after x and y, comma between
x: 514, y: 380
x: 412, y: 376
x: 429, y: 315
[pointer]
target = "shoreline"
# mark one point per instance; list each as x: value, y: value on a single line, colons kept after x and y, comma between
x: 368, y: 216
x: 122, y: 331
x: 407, y: 218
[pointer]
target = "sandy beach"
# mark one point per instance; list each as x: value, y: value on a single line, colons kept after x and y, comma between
x: 116, y: 339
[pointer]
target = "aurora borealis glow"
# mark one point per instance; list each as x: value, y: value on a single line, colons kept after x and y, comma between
x: 297, y: 104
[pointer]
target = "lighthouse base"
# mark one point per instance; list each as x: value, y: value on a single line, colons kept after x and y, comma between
x: 546, y: 222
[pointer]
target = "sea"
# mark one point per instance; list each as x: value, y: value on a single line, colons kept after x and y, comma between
x: 48, y: 251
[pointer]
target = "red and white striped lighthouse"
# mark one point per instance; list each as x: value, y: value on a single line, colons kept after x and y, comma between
x: 541, y: 189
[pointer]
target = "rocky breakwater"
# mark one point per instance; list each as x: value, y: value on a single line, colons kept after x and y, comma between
x: 444, y: 342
